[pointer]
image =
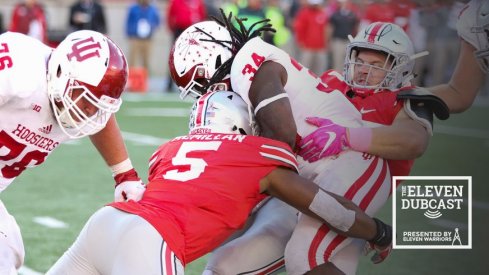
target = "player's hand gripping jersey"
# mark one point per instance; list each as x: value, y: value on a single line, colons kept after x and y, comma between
x: 28, y: 129
x: 228, y: 188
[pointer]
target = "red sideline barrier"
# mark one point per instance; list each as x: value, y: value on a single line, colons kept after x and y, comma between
x: 138, y: 80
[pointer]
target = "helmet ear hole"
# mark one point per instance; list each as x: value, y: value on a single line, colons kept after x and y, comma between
x: 58, y: 71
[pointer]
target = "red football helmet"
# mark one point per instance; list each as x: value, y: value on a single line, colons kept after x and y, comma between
x: 193, y: 61
x: 90, y: 62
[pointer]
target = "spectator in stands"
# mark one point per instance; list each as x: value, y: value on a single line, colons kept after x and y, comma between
x: 254, y: 11
x: 312, y: 19
x: 343, y: 21
x: 142, y: 20
x: 377, y: 11
x: 2, y: 29
x: 87, y: 15
x: 181, y: 14
x: 443, y: 41
x: 28, y: 18
x: 274, y: 12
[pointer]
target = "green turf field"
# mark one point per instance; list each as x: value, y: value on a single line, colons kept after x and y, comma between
x: 74, y: 182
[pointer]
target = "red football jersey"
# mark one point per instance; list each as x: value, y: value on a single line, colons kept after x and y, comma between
x: 203, y: 187
x: 379, y: 108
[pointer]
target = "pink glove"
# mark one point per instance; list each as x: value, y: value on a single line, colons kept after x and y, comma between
x: 329, y: 139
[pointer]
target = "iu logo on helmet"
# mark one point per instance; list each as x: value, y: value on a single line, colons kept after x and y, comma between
x: 84, y: 49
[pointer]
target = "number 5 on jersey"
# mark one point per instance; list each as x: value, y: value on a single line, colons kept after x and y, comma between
x: 197, y: 165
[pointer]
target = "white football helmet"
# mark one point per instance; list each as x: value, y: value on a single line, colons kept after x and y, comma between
x: 473, y: 27
x: 194, y: 60
x: 387, y: 38
x: 222, y: 112
x: 89, y: 62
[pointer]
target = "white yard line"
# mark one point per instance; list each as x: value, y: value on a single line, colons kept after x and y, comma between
x: 158, y: 112
x: 24, y: 270
x: 143, y: 139
x: 462, y: 132
x: 146, y: 97
x: 50, y: 222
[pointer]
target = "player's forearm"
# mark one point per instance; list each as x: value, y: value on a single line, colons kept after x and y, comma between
x: 457, y: 97
x: 340, y: 214
x: 110, y: 144
x: 399, y: 143
x: 273, y: 125
x: 466, y: 80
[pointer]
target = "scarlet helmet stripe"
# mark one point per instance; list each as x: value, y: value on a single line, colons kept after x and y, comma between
x: 200, y: 114
x: 373, y: 33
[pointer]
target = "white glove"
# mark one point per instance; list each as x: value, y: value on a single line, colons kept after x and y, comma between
x: 129, y: 190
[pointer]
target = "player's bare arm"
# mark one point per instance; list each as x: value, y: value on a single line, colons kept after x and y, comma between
x: 300, y: 193
x: 404, y: 139
x: 109, y: 143
x: 458, y: 93
x: 275, y: 119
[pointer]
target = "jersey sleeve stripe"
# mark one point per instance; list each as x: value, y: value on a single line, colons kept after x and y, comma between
x: 279, y: 153
x: 279, y: 149
x: 285, y: 160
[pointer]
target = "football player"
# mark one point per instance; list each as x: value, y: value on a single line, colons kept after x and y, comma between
x: 49, y: 96
x: 283, y: 94
x: 197, y: 197
x: 458, y: 94
x: 473, y: 60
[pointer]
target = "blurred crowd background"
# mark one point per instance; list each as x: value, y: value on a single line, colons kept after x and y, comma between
x: 315, y: 32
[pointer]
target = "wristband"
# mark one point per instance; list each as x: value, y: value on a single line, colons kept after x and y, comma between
x: 383, y: 237
x: 121, y: 167
x: 130, y: 175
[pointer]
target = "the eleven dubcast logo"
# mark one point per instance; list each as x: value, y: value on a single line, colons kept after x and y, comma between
x: 432, y: 212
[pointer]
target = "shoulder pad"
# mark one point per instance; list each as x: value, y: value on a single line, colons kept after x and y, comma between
x: 422, y: 97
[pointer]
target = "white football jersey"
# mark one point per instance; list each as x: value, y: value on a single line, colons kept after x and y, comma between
x: 472, y: 24
x: 307, y: 94
x: 29, y: 131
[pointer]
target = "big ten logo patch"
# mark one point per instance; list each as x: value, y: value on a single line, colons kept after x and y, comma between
x: 432, y: 212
